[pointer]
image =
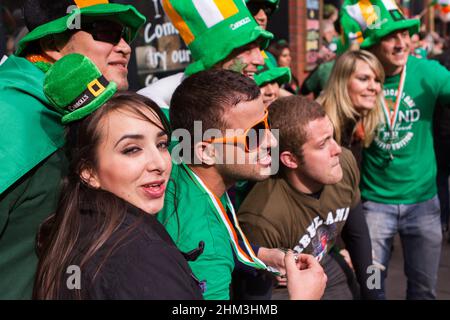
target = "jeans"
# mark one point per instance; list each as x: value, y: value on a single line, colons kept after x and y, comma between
x: 419, y: 226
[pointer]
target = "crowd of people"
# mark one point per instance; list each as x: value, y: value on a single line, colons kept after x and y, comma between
x: 222, y: 181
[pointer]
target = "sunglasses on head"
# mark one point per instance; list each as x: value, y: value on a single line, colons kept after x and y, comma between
x: 107, y: 31
x: 251, y: 139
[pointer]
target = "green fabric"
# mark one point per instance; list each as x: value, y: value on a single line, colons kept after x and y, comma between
x: 388, y: 18
x: 23, y: 207
x: 213, y: 44
x: 66, y: 81
x: 272, y: 58
x: 411, y: 176
x: 318, y: 79
x: 421, y: 53
x: 126, y: 14
x: 193, y: 221
x: 30, y: 131
x: 269, y: 73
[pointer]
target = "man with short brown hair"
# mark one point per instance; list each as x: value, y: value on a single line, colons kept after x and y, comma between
x: 313, y: 200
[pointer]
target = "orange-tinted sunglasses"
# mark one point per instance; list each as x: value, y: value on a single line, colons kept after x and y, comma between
x: 251, y: 139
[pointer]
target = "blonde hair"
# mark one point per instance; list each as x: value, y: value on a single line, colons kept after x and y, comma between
x: 336, y: 100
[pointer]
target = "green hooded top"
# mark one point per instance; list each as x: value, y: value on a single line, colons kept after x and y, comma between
x: 23, y: 104
x: 32, y: 165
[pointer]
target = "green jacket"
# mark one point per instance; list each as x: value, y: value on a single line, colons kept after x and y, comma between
x: 189, y: 218
x: 31, y: 167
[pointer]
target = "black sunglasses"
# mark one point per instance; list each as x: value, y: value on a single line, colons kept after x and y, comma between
x: 254, y: 8
x: 107, y: 31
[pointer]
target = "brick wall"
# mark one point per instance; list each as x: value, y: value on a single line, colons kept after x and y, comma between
x: 297, y: 37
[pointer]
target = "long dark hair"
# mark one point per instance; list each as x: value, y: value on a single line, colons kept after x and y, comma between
x: 58, y: 242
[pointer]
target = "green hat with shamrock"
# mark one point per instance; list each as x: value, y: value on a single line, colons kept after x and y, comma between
x: 76, y: 88
x: 368, y: 21
x: 213, y: 29
x: 269, y: 72
x: 47, y: 17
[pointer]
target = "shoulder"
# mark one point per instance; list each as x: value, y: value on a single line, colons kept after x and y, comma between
x: 263, y: 200
x: 161, y: 91
x: 349, y: 167
x: 425, y: 65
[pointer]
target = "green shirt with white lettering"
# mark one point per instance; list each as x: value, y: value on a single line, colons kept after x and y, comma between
x: 399, y: 167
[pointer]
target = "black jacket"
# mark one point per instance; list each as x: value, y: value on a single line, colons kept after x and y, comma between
x: 144, y: 263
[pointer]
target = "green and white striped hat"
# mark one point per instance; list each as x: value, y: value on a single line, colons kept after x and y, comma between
x: 368, y: 21
x: 212, y: 29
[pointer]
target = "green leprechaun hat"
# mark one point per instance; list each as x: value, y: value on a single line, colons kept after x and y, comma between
x: 213, y: 29
x: 271, y: 73
x: 272, y: 5
x: 367, y: 21
x: 76, y: 88
x: 46, y: 17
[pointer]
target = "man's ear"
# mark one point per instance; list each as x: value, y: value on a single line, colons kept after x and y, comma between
x: 90, y: 178
x: 205, y: 152
x: 289, y: 160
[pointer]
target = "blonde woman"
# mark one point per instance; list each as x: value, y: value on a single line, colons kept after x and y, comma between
x: 352, y: 99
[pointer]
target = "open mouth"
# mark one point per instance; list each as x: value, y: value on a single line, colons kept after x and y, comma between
x: 265, y: 158
x: 155, y: 189
x: 120, y: 65
x: 249, y: 75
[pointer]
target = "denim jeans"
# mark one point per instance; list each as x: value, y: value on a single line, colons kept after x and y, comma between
x: 419, y: 227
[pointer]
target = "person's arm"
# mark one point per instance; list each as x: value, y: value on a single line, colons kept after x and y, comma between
x: 357, y: 241
x: 142, y: 270
x: 306, y: 278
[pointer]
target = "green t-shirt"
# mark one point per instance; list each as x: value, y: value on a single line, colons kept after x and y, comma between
x: 195, y: 220
x: 408, y: 176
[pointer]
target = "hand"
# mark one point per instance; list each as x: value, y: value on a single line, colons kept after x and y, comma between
x: 306, y: 278
x: 273, y: 258
x: 281, y: 280
x: 344, y: 253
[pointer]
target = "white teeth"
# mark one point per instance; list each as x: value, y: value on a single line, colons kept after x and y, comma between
x: 151, y: 185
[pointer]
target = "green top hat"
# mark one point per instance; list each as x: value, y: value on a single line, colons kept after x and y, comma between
x: 213, y: 29
x: 76, y: 88
x: 46, y: 17
x: 272, y: 4
x: 271, y: 73
x: 368, y: 21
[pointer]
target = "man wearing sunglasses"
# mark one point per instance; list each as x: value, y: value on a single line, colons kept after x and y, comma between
x: 32, y: 136
x: 219, y: 37
x: 313, y: 200
x: 234, y: 143
x: 261, y: 10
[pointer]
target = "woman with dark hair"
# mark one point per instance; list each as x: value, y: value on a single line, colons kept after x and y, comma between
x: 104, y: 241
x: 280, y: 50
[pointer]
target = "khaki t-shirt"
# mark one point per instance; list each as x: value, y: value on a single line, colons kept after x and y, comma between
x: 275, y: 215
